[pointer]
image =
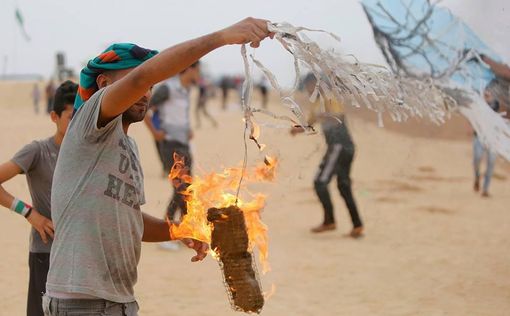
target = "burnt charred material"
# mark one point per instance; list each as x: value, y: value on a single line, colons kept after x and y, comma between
x: 230, y: 242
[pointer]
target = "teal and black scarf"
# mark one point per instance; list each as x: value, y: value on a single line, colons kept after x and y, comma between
x: 115, y: 57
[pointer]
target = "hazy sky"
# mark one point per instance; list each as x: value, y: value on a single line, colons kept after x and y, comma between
x: 82, y: 29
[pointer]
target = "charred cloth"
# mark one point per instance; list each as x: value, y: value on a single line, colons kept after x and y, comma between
x: 229, y: 240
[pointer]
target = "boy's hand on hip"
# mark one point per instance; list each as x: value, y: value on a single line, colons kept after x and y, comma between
x: 42, y: 225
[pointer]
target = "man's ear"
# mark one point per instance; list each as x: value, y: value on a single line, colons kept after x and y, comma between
x: 102, y: 81
x: 54, y: 116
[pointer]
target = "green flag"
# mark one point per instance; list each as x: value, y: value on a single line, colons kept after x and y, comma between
x: 21, y: 23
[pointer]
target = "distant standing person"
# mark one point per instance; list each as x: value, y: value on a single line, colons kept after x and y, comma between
x: 497, y: 96
x: 36, y: 97
x: 336, y: 162
x: 263, y: 91
x: 37, y: 162
x: 50, y: 95
x: 203, y: 96
x: 480, y: 150
x: 237, y: 82
x: 172, y: 99
x: 224, y: 86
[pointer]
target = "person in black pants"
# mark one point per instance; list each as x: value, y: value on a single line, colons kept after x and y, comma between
x: 336, y: 162
x: 172, y: 100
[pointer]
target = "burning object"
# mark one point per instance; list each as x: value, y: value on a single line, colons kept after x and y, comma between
x: 231, y: 225
x: 229, y: 240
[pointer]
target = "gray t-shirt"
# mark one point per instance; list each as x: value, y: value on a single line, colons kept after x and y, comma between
x: 37, y: 161
x: 173, y: 103
x: 96, y: 197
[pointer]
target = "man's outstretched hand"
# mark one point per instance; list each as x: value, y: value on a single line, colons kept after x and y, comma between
x: 249, y: 30
x: 200, y: 247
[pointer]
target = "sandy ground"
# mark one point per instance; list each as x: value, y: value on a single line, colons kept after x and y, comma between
x: 432, y: 246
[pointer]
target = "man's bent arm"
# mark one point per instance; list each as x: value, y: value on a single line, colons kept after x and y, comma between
x: 7, y: 171
x: 127, y: 91
x: 155, y: 229
x: 43, y: 225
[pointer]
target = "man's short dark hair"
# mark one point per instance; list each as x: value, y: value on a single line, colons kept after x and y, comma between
x: 64, y: 96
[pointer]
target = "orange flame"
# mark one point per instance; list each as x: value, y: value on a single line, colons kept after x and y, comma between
x: 219, y: 190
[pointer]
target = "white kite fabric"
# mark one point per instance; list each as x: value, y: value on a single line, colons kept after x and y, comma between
x: 375, y: 87
x: 422, y: 40
x: 349, y: 81
x: 492, y: 128
x: 345, y: 79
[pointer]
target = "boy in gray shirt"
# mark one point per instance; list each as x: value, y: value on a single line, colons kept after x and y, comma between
x: 37, y: 161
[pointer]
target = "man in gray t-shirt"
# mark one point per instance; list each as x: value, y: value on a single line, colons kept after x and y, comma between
x: 96, y: 197
x: 98, y: 183
x: 96, y: 205
x: 37, y: 161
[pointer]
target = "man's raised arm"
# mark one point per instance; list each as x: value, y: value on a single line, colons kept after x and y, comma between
x: 127, y: 91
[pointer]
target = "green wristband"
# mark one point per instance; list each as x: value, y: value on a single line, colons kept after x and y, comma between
x: 20, y: 207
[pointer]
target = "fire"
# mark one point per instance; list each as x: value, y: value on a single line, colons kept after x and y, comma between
x: 219, y: 190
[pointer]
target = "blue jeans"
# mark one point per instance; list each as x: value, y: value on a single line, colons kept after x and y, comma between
x: 478, y: 152
x: 85, y: 307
